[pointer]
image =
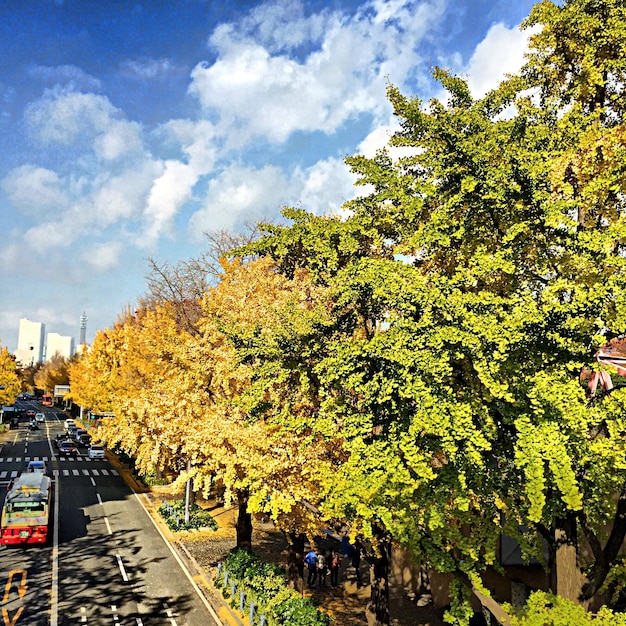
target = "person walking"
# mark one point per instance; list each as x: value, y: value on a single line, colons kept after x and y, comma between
x: 322, y: 569
x: 311, y: 562
x: 335, y: 564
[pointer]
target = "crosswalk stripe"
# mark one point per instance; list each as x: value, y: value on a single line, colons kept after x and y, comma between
x: 75, y: 472
x: 4, y: 474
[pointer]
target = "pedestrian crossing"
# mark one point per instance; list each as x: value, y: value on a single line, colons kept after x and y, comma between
x: 7, y: 474
x: 82, y: 461
x: 47, y: 459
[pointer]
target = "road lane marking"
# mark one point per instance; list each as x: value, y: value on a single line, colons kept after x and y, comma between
x: 121, y: 566
x: 54, y: 592
x: 175, y: 554
x: 169, y: 613
x: 21, y: 587
x: 7, y: 620
x: 99, y: 498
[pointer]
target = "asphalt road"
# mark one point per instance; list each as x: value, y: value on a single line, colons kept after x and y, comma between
x: 105, y: 562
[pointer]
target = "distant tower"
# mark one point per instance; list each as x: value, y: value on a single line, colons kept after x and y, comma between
x: 83, y: 329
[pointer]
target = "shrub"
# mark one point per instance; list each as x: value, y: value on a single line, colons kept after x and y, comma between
x: 174, y: 515
x: 546, y: 609
x: 265, y: 585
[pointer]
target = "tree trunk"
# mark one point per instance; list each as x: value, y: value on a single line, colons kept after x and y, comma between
x: 566, y: 579
x: 244, y: 521
x: 295, y: 560
x: 379, y: 586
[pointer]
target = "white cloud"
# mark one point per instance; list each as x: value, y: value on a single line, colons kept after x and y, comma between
x: 63, y: 116
x: 103, y: 257
x: 168, y: 194
x: 34, y: 190
x: 258, y: 93
x: 149, y: 69
x: 326, y: 186
x: 68, y: 75
x: 118, y: 139
x: 239, y: 194
x: 500, y: 52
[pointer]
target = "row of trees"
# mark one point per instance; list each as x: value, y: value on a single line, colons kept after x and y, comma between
x: 413, y: 368
x: 15, y: 378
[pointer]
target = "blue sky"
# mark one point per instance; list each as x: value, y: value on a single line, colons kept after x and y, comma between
x: 127, y: 129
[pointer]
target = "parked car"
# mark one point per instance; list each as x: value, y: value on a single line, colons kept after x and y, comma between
x: 38, y: 467
x: 40, y: 417
x: 96, y: 451
x: 68, y: 448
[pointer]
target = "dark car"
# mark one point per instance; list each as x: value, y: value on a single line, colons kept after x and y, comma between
x: 67, y: 448
x: 82, y: 437
x: 30, y: 413
x: 59, y: 438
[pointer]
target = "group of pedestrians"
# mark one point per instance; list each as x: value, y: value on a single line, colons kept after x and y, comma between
x: 318, y: 564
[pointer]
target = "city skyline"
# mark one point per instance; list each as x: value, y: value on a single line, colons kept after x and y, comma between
x: 36, y: 345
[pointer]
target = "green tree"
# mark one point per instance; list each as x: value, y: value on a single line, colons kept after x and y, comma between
x: 495, y: 271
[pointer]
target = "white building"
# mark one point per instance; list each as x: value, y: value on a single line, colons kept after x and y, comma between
x: 62, y: 344
x: 30, y: 342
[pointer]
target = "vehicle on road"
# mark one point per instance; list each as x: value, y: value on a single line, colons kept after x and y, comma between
x: 33, y: 425
x: 40, y: 417
x: 46, y: 399
x: 26, y: 510
x: 30, y: 413
x: 68, y: 448
x: 96, y: 451
x: 82, y: 437
x: 59, y: 438
x: 37, y: 467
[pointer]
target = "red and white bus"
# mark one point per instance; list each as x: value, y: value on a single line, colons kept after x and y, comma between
x: 46, y: 399
x: 26, y: 510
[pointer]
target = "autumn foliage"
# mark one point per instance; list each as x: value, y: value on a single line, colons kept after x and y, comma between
x: 413, y: 368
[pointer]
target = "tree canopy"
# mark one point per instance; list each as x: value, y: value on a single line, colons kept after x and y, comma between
x: 413, y: 368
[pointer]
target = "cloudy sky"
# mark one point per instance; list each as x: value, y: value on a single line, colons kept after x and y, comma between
x: 128, y: 130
